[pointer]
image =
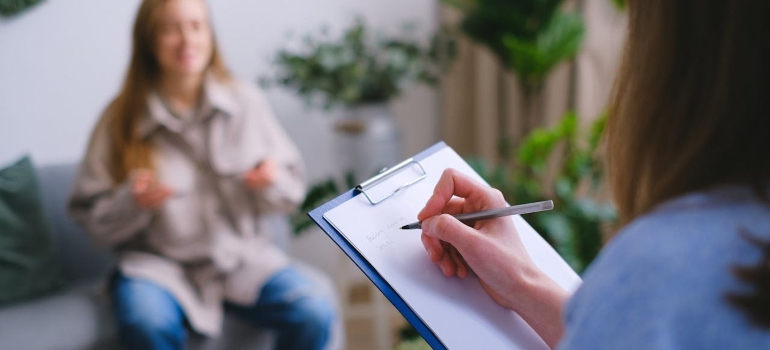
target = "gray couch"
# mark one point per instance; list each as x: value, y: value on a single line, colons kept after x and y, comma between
x: 78, y: 317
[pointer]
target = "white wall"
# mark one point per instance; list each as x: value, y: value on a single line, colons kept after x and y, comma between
x: 63, y: 61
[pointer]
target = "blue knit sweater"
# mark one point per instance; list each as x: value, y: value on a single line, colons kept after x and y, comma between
x: 661, y: 282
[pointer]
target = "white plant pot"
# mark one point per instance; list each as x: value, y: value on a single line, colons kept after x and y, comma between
x: 367, y: 140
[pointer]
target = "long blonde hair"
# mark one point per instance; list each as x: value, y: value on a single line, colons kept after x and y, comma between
x: 689, y: 109
x: 128, y: 150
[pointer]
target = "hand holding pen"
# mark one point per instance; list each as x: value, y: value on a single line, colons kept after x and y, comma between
x: 457, y: 249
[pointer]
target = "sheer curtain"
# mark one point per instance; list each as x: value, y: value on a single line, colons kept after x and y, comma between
x: 480, y: 100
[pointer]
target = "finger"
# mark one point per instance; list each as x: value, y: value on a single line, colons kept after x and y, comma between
x: 446, y: 228
x: 156, y: 196
x: 447, y: 263
x: 452, y: 183
x: 152, y: 185
x: 141, y: 177
x: 454, y: 206
x: 268, y: 170
x: 266, y: 163
x: 140, y: 186
x: 251, y: 177
x: 146, y: 204
x: 157, y: 199
x: 462, y: 268
x: 433, y: 247
x: 141, y: 180
x: 255, y: 175
x: 256, y: 182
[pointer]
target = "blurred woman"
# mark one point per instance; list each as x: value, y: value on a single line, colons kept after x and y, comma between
x: 177, y: 169
x: 688, y: 140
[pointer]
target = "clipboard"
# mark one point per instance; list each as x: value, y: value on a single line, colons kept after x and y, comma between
x: 365, y: 190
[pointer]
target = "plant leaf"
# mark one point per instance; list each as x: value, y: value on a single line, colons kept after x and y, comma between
x: 534, y: 59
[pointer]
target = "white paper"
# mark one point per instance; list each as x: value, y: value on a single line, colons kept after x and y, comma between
x: 457, y: 310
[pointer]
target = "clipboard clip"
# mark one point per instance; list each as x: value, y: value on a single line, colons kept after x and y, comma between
x: 387, y: 173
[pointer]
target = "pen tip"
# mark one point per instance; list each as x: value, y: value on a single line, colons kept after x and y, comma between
x: 404, y: 227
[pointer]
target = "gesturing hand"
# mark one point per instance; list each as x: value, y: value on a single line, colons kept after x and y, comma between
x: 263, y: 175
x: 147, y: 191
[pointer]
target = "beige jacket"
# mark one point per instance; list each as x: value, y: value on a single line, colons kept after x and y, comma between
x: 206, y: 244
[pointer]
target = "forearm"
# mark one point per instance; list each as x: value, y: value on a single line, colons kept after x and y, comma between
x: 284, y: 194
x: 110, y: 218
x: 540, y: 302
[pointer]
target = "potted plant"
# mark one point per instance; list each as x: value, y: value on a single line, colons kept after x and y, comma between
x: 529, y: 38
x: 354, y: 69
x: 359, y: 74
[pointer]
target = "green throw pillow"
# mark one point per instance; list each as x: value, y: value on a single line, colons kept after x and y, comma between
x: 27, y: 257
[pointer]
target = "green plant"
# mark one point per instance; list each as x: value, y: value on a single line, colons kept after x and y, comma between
x: 355, y: 69
x: 413, y: 344
x: 410, y: 339
x: 620, y: 4
x: 319, y: 193
x: 12, y: 7
x: 559, y: 163
x: 529, y: 37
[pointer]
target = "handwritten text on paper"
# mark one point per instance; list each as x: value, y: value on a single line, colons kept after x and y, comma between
x: 383, y: 242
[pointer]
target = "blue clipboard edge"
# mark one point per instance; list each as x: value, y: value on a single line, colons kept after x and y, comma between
x: 318, y: 216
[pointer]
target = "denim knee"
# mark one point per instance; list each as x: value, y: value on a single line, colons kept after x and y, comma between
x: 314, y: 317
x: 147, y: 316
x: 150, y: 334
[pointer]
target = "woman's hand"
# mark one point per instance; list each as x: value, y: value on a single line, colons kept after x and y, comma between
x: 263, y: 175
x: 491, y: 249
x: 147, y: 191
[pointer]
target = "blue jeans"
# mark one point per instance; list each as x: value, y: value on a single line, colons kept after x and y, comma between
x: 148, y: 316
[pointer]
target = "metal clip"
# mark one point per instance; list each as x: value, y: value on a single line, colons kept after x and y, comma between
x: 386, y: 173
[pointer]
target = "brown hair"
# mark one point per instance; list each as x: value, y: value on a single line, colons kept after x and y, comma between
x: 689, y: 109
x: 128, y: 150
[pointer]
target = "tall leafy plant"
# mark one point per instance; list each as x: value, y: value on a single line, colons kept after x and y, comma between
x: 529, y: 37
x: 559, y: 163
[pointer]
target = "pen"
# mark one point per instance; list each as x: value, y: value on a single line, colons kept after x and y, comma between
x: 470, y: 218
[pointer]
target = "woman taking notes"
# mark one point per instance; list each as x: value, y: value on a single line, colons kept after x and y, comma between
x: 688, y: 141
x: 177, y: 168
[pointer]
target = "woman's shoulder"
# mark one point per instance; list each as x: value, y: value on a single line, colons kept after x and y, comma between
x: 707, y: 221
x: 694, y: 236
x: 667, y: 272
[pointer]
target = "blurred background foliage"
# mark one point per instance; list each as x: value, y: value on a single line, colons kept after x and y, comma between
x: 529, y: 37
x: 357, y: 67
x: 318, y: 194
x: 559, y: 163
x: 12, y: 7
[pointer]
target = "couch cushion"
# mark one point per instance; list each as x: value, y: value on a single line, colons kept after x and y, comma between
x: 78, y: 258
x: 76, y: 318
x: 80, y: 318
x: 28, y: 265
